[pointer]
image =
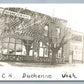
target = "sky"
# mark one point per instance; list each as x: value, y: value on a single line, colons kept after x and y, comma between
x: 73, y: 13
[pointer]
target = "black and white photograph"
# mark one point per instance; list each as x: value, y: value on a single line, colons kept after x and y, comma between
x: 41, y: 42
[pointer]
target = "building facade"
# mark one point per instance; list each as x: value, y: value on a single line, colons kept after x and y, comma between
x: 74, y: 48
x: 30, y: 37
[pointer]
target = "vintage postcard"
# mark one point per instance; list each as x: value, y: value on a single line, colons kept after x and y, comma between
x: 41, y: 42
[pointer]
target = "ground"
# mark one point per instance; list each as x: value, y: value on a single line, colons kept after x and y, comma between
x: 17, y: 69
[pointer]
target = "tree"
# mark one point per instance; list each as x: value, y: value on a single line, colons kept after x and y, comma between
x: 58, y: 39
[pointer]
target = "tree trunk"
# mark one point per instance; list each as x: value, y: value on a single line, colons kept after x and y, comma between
x: 27, y: 49
x: 27, y: 46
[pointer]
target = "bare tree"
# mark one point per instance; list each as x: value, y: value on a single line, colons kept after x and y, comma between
x: 57, y: 39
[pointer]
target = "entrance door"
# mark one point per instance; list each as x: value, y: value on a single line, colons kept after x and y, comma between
x: 77, y: 56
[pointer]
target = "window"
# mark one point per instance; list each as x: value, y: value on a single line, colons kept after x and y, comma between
x: 77, y: 38
x: 41, y: 52
x: 35, y: 54
x: 18, y: 41
x: 11, y: 46
x: 31, y: 53
x: 58, y: 32
x: 12, y: 40
x: 45, y: 52
x: 41, y: 49
x: 46, y: 30
x: 59, y: 53
x: 5, y: 45
x: 40, y: 44
x: 5, y: 40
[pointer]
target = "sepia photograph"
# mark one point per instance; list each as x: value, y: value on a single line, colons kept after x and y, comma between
x: 41, y: 42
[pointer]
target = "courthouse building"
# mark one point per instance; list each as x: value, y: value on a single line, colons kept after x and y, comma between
x: 21, y: 37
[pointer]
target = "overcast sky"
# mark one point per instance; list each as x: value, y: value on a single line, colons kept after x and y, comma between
x: 73, y: 13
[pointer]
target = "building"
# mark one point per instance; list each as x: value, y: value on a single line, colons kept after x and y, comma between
x: 21, y: 38
x: 74, y: 48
